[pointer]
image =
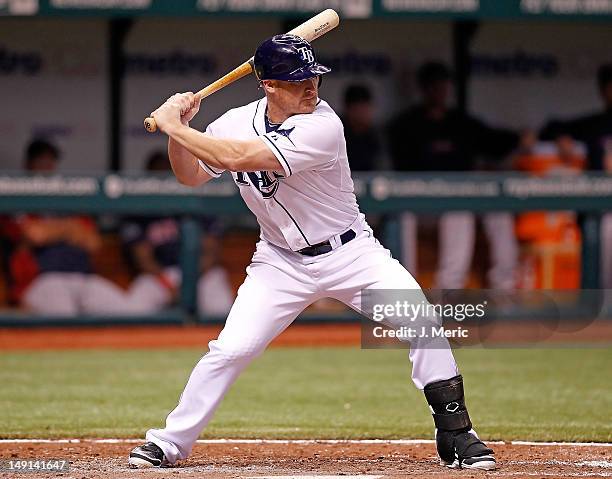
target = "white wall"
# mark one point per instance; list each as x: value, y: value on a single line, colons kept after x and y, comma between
x: 53, y: 83
x: 58, y: 85
x: 543, y: 70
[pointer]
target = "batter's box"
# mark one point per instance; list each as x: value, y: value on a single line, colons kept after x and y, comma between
x: 313, y: 477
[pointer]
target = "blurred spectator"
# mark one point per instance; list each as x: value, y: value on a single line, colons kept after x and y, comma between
x: 41, y: 157
x: 432, y: 136
x: 363, y: 142
x: 153, y: 246
x: 50, y: 260
x: 595, y: 131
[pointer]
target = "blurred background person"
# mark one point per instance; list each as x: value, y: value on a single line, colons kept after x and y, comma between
x: 595, y: 131
x: 433, y: 136
x: 363, y: 138
x: 50, y: 262
x: 153, y: 246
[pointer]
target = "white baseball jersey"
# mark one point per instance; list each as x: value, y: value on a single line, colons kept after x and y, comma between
x: 313, y: 200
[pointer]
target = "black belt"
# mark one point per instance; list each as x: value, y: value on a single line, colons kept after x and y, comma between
x: 325, y: 246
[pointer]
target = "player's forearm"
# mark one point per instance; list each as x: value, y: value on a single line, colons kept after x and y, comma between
x: 184, y: 164
x: 217, y: 153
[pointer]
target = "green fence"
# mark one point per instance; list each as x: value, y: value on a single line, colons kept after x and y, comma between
x: 384, y: 193
x: 505, y: 9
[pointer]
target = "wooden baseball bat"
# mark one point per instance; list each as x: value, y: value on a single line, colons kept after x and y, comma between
x: 309, y: 30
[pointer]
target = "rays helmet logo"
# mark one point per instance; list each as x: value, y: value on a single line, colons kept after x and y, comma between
x: 307, y: 54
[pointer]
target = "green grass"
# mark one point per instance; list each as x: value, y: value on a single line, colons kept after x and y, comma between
x: 555, y: 394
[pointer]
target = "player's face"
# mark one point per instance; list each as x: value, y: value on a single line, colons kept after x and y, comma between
x: 294, y: 97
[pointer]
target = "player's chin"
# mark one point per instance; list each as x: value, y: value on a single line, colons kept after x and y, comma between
x: 308, y: 105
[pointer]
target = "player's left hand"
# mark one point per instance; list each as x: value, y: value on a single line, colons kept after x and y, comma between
x: 167, y: 115
x: 191, y: 106
x: 179, y: 108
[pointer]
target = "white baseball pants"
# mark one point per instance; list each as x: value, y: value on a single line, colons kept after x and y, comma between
x: 279, y: 285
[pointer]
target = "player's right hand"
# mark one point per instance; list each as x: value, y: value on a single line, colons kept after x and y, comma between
x: 188, y: 103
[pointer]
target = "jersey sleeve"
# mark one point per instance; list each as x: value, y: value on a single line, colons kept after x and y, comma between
x: 214, y: 172
x: 305, y: 142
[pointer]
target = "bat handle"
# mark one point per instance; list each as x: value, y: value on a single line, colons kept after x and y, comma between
x: 150, y: 125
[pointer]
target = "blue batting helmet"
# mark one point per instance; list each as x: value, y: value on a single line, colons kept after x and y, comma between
x: 286, y: 57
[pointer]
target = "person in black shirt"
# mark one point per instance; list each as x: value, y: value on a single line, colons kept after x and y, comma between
x: 363, y: 142
x: 595, y: 131
x: 432, y: 136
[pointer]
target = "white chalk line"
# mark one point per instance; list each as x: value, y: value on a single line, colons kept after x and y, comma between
x: 556, y: 474
x: 300, y: 441
x: 554, y: 462
x: 536, y: 443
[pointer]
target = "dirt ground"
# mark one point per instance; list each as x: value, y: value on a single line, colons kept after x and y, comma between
x: 297, y: 335
x: 94, y: 460
x: 156, y: 336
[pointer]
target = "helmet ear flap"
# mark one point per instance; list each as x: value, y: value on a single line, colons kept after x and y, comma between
x: 258, y: 70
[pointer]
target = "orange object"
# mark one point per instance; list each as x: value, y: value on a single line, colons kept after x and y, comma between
x: 544, y: 163
x: 548, y: 264
x: 550, y: 240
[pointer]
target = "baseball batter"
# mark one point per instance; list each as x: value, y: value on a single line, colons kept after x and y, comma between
x: 287, y: 155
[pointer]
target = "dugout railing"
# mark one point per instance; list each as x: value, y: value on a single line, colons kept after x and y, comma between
x: 386, y: 193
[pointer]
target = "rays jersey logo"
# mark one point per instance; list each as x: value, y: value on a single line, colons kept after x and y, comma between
x: 266, y: 182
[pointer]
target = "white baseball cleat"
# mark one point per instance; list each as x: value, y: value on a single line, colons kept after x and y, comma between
x: 147, y: 455
x: 483, y: 463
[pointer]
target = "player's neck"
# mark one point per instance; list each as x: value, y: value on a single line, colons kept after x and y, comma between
x: 275, y: 114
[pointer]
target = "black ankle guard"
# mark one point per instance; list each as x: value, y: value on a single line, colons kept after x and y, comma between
x: 456, y: 445
x: 448, y: 404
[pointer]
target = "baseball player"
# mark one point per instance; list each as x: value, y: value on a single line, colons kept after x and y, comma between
x: 287, y: 155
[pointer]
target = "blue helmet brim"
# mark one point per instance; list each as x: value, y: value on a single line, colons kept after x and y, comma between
x: 303, y: 73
